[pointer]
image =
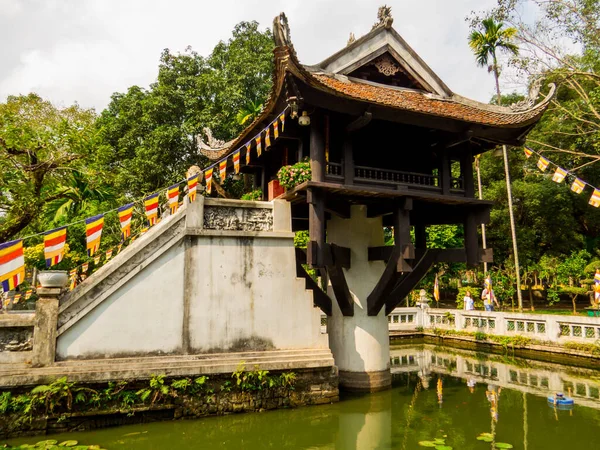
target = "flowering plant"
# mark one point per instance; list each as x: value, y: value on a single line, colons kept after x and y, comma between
x: 292, y: 176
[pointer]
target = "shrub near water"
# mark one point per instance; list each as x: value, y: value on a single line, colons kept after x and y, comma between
x: 291, y: 176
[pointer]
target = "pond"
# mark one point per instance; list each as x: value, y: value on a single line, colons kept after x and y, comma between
x: 451, y: 395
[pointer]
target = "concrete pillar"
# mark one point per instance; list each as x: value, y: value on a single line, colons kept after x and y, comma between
x: 359, y: 343
x: 45, y: 327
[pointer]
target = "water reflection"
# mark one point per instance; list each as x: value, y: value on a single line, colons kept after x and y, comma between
x: 438, y: 393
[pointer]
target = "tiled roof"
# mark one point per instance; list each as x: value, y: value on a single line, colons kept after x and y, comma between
x: 409, y: 100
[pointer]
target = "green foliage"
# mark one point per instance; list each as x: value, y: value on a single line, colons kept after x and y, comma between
x: 257, y: 380
x: 292, y: 176
x: 573, y: 267
x: 301, y: 239
x: 256, y: 194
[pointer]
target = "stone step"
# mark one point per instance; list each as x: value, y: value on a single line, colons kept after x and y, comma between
x: 113, y: 370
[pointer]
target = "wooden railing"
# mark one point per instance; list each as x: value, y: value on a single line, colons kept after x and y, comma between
x: 384, y: 176
x: 334, y: 170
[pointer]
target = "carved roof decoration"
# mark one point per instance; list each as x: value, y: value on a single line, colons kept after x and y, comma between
x: 384, y: 49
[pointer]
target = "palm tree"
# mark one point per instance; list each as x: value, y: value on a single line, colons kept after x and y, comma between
x: 249, y: 112
x: 486, y: 45
x: 75, y: 196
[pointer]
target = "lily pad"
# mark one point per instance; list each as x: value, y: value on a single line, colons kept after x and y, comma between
x: 68, y: 444
x: 485, y: 438
x: 443, y: 447
x: 487, y: 434
x: 439, y: 441
x: 503, y: 445
x: 48, y: 442
x: 427, y: 444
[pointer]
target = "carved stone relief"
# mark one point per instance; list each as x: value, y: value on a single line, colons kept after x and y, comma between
x: 386, y: 65
x: 16, y: 339
x: 238, y: 219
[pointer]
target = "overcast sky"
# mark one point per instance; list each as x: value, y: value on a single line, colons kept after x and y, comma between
x: 84, y: 50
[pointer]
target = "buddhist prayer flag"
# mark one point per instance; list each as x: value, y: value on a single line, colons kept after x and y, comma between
x: 528, y: 152
x: 97, y: 260
x: 143, y: 231
x: 282, y: 118
x: 84, y: 267
x: 542, y: 163
x: 151, y: 206
x: 73, y: 279
x: 173, y: 198
x: 192, y: 187
x: 276, y: 129
x: 258, y: 145
x: 119, y: 248
x: 578, y: 186
x: 559, y: 175
x: 54, y: 245
x: 93, y: 232
x: 208, y: 177
x: 109, y: 254
x: 436, y: 289
x: 125, y: 213
x: 28, y: 294
x: 267, y: 137
x: 236, y: 161
x: 223, y: 170
x: 16, y: 298
x: 595, y: 199
x: 248, y: 148
x: 12, y: 264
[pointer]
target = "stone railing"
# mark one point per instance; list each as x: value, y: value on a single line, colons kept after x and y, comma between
x: 544, y: 327
x: 16, y: 337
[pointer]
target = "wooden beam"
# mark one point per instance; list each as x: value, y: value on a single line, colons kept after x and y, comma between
x: 316, y: 228
x: 445, y: 173
x: 402, y: 233
x: 359, y: 122
x: 348, y: 161
x: 338, y: 207
x: 471, y: 240
x: 320, y: 298
x: 466, y: 169
x: 382, y: 253
x: 421, y: 236
x: 378, y: 296
x: 335, y: 257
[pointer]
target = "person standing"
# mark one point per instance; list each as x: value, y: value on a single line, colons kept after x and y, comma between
x: 489, y: 299
x: 469, y: 302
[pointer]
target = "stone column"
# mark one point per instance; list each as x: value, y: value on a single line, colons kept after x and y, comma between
x: 45, y: 327
x: 359, y: 343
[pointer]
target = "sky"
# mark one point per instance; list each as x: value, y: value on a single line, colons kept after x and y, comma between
x: 83, y: 51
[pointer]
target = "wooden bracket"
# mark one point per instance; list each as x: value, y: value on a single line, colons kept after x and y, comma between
x: 320, y: 298
x: 336, y: 256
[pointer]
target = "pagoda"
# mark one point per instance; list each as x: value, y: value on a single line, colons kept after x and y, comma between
x: 390, y: 145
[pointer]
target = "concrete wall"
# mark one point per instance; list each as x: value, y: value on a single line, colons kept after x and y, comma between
x: 218, y: 276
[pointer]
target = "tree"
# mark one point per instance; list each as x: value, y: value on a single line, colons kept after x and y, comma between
x: 40, y: 145
x: 486, y: 44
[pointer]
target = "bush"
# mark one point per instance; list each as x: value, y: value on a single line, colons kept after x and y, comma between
x: 475, y: 292
x: 291, y: 176
x: 254, y: 195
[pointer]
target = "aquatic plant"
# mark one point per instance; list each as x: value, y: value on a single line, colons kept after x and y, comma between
x: 54, y: 444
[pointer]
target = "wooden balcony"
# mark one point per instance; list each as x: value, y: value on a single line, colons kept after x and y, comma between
x: 391, y: 179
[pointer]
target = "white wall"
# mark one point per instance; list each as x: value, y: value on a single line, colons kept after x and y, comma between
x: 143, y: 316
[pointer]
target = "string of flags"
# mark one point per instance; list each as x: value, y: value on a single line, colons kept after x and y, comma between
x: 12, y: 262
x: 560, y: 174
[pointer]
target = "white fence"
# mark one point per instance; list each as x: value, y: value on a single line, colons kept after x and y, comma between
x: 544, y: 327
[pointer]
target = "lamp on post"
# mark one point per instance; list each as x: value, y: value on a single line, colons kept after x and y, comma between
x: 304, y: 120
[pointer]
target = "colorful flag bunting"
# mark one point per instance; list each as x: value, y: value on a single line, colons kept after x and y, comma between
x: 16, y: 298
x: 125, y: 213
x: 528, y: 152
x: 84, y: 267
x: 267, y: 137
x: 223, y: 170
x: 595, y: 199
x: 542, y: 163
x: 83, y: 276
x: 93, y: 232
x: 436, y: 289
x: 578, y: 186
x: 73, y: 279
x: 248, y: 148
x: 97, y: 259
x: 28, y: 294
x: 12, y: 264
x: 173, y: 198
x: 119, y: 248
x: 559, y: 175
x: 258, y: 145
x: 143, y: 231
x: 208, y: 177
x: 109, y: 254
x: 54, y: 245
x: 276, y: 129
x: 236, y: 161
x: 151, y: 206
x: 282, y: 118
x: 192, y: 187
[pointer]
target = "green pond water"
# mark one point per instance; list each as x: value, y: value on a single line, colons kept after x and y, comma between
x: 442, y: 393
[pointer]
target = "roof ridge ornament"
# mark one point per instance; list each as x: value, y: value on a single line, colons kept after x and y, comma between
x: 384, y: 16
x: 529, y: 102
x: 351, y: 39
x: 281, y: 31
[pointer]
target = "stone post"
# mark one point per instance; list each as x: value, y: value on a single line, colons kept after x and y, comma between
x: 45, y: 327
x: 359, y: 343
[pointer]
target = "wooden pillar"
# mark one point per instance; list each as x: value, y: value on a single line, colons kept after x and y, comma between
x: 316, y: 228
x: 402, y: 234
x: 445, y: 174
x: 420, y: 236
x: 471, y: 240
x: 348, y: 161
x: 466, y: 170
x: 317, y: 149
